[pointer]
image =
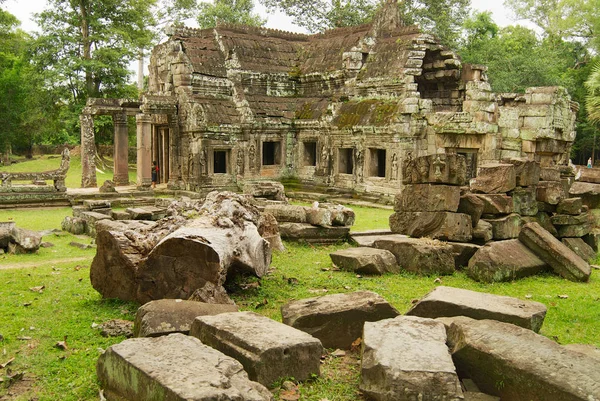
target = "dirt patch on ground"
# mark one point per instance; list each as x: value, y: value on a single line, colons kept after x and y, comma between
x: 25, y: 265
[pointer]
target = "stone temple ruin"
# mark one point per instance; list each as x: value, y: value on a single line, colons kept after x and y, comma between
x: 342, y: 109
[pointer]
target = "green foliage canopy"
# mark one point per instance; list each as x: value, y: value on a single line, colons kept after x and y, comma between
x: 228, y: 12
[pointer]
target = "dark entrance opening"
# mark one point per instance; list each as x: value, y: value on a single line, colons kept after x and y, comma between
x: 271, y: 153
x: 220, y: 162
x: 346, y: 160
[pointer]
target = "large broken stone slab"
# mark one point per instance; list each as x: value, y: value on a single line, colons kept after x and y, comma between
x: 473, y: 206
x: 365, y: 260
x: 581, y: 248
x: 166, y: 316
x: 517, y: 364
x: 588, y: 192
x: 496, y: 203
x: 549, y: 174
x: 367, y: 238
x: 505, y: 227
x: 265, y: 189
x: 574, y: 231
x: 569, y: 206
x: 406, y: 358
x: 428, y: 198
x: 176, y: 367
x: 91, y: 218
x: 551, y: 192
x: 313, y: 234
x: 438, y: 168
x: 420, y: 255
x: 494, y: 178
x: 504, y: 261
x: 463, y: 252
x: 527, y: 171
x: 448, y: 301
x: 524, y: 201
x: 152, y: 213
x: 482, y: 233
x: 444, y: 226
x: 337, y: 320
x: 563, y: 261
x: 267, y: 349
x: 544, y: 220
x: 287, y: 213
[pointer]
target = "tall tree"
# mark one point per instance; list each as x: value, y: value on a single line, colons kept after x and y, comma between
x: 443, y: 18
x: 593, y: 94
x: 229, y: 12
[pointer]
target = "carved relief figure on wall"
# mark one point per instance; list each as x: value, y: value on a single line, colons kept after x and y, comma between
x: 240, y: 162
x: 252, y: 156
x: 394, y: 167
x: 203, y: 161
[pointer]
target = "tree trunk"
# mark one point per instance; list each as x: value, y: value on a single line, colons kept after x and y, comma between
x: 87, y: 46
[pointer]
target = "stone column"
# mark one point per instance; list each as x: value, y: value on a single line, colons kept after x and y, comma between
x: 121, y: 165
x: 175, y: 179
x: 144, y: 150
x: 88, y: 151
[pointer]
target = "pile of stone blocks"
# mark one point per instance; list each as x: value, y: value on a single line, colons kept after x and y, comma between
x: 321, y: 223
x: 453, y: 344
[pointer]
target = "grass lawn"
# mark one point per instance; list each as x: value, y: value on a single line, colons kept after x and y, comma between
x: 32, y: 322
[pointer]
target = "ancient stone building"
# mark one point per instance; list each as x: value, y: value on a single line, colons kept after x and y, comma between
x: 342, y: 109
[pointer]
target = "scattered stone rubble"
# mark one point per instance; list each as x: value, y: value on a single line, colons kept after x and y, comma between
x: 454, y: 344
x: 18, y: 240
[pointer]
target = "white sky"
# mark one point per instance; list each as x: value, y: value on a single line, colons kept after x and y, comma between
x: 24, y: 10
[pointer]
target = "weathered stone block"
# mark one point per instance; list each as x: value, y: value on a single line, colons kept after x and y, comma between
x: 504, y: 261
x: 527, y: 171
x: 265, y: 189
x: 589, y: 175
x: 550, y: 174
x: 118, y: 215
x: 448, y: 301
x: 313, y: 234
x: 287, y: 213
x: 494, y: 178
x: 569, y: 219
x: 421, y: 256
x: 529, y: 366
x: 563, y: 261
x: 524, y: 201
x: 550, y: 192
x: 437, y: 225
x: 573, y: 231
x: 166, y: 316
x: 152, y: 213
x: 176, y: 367
x: 473, y: 206
x: 92, y: 204
x: 544, y: 220
x: 406, y: 358
x: 365, y: 260
x: 319, y: 217
x: 267, y: 349
x: 438, y: 168
x: 463, y: 252
x: 483, y: 232
x: 569, y: 206
x: 506, y: 227
x: 337, y: 320
x: 90, y: 221
x: 496, y: 203
x: 74, y: 225
x: 581, y: 248
x: 427, y: 198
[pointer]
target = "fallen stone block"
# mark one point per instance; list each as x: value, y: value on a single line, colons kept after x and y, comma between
x: 586, y: 349
x: 267, y: 349
x: 287, y: 213
x: 563, y: 261
x: 551, y: 192
x: 337, y: 320
x: 568, y: 219
x: 92, y: 204
x: 406, y: 358
x: 365, y: 260
x: 420, y: 255
x: 166, y: 316
x: 544, y: 220
x: 463, y: 252
x: 473, y: 206
x: 569, y: 206
x: 527, y: 172
x: 367, y: 238
x: 74, y: 225
x: 549, y: 174
x: 448, y: 301
x: 517, y: 364
x: 494, y: 178
x: 496, y: 203
x: 504, y: 261
x: 580, y: 247
x: 118, y: 215
x: 273, y: 190
x: 482, y: 233
x: 428, y: 198
x: 574, y: 231
x: 151, y: 213
x: 313, y: 234
x: 91, y: 218
x: 440, y: 168
x: 506, y: 227
x: 524, y: 201
x: 176, y: 367
x: 444, y: 226
x: 319, y: 217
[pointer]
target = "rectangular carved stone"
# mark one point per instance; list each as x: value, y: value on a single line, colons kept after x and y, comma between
x: 313, y: 234
x: 563, y: 261
x: 338, y: 319
x: 581, y: 248
x: 569, y: 206
x: 527, y: 171
x: 494, y: 178
x: 517, y: 364
x: 448, y: 301
x: 267, y: 349
x: 550, y: 174
x: 421, y: 256
x: 438, y: 168
x: 175, y: 367
x: 473, y: 206
x: 524, y: 201
x: 550, y: 192
x: 437, y: 225
x: 365, y: 260
x: 406, y: 358
x: 427, y: 198
x: 496, y: 203
x: 287, y: 213
x: 506, y: 227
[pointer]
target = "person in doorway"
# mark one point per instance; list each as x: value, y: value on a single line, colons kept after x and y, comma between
x: 154, y: 174
x: 589, y: 165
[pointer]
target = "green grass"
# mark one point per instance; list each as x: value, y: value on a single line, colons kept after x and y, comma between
x: 69, y: 306
x: 52, y: 162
